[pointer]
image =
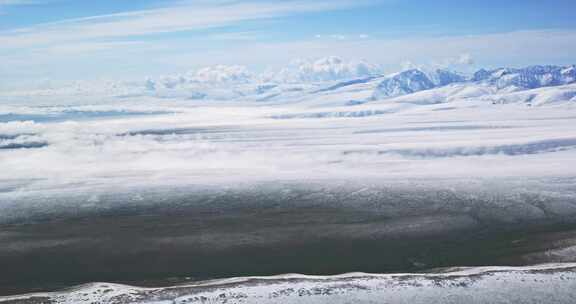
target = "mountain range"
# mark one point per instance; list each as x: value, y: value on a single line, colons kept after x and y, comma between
x: 343, y: 82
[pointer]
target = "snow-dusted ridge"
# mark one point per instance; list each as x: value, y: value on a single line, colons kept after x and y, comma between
x: 332, y: 74
x: 311, y: 79
x: 555, y: 283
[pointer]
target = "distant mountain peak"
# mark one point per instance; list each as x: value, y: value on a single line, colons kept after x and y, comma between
x: 414, y: 80
x: 530, y: 77
x: 506, y: 79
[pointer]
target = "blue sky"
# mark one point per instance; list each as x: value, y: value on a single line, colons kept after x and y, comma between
x: 70, y: 39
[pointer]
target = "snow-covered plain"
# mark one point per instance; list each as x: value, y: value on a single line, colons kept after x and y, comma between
x: 146, y: 142
x: 338, y: 121
x: 64, y: 151
x: 447, y: 127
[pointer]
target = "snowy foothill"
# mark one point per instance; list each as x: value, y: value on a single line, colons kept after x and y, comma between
x: 538, y: 284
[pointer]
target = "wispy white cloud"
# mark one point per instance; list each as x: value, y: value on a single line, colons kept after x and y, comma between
x: 183, y: 16
x: 343, y: 36
x: 133, y: 58
x: 252, y: 35
x: 15, y: 2
x: 462, y: 61
x: 7, y: 3
x: 508, y: 48
x: 338, y: 36
x: 91, y: 47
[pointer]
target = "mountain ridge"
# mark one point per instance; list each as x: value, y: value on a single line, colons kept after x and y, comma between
x: 338, y: 82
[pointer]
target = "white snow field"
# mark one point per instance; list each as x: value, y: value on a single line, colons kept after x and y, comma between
x: 504, y: 126
x: 495, y: 285
x: 502, y: 123
x: 430, y: 151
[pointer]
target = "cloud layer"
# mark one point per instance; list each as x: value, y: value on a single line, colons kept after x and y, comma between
x: 186, y: 16
x: 191, y: 34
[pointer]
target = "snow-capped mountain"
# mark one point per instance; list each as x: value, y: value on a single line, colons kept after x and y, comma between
x: 444, y: 85
x: 503, y: 79
x: 415, y: 80
x: 334, y: 81
x: 527, y: 78
x: 442, y: 77
x: 403, y: 83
